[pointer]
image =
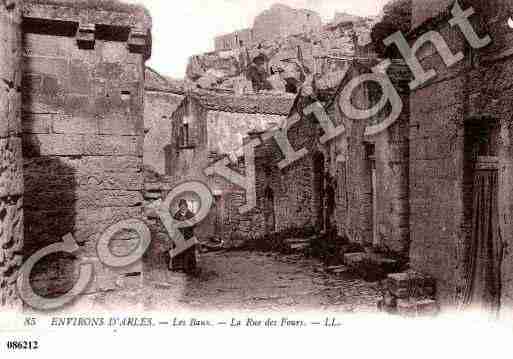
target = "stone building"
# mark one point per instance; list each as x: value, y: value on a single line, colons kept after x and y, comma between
x: 161, y: 99
x: 234, y: 40
x: 366, y: 176
x: 73, y: 72
x: 461, y: 159
x: 286, y: 37
x: 209, y: 127
x: 371, y: 170
x: 282, y: 21
x: 277, y: 22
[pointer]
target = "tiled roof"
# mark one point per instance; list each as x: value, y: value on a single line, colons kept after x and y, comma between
x: 153, y: 81
x: 270, y: 104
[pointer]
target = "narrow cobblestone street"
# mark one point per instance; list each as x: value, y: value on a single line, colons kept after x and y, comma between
x: 244, y: 281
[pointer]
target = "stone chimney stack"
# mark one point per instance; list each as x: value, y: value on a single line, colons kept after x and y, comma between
x: 11, y: 162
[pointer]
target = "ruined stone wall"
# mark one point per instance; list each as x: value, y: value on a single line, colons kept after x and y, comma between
x: 296, y: 201
x: 159, y: 107
x: 11, y: 162
x: 226, y: 130
x: 83, y: 132
x: 282, y: 21
x: 234, y: 40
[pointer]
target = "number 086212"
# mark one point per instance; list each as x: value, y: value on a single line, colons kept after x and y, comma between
x: 23, y: 345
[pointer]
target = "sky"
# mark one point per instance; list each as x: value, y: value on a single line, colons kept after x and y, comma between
x: 188, y: 27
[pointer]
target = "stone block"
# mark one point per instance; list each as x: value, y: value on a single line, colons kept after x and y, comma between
x: 44, y: 45
x: 35, y: 145
x: 80, y: 199
x: 411, y: 284
x: 65, y: 124
x: 86, y: 36
x: 46, y: 65
x: 138, y: 40
x: 111, y: 181
x: 78, y: 105
x: 406, y: 308
x: 152, y: 195
x: 119, y: 124
x: 37, y: 123
x: 355, y: 259
x: 11, y: 161
x: 80, y: 81
x: 108, y: 198
x: 108, y: 70
x: 114, y: 145
x: 427, y: 307
x: 101, y: 218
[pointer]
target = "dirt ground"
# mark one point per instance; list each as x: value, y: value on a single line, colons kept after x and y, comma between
x: 244, y: 281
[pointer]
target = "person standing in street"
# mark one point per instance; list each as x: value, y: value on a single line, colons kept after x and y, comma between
x: 185, y: 261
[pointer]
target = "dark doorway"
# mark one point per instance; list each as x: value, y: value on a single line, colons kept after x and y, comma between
x: 370, y: 149
x: 318, y: 186
x: 270, y: 218
x: 484, y: 252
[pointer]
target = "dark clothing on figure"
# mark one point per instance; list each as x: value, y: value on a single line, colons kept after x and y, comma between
x: 187, y: 232
x: 186, y: 260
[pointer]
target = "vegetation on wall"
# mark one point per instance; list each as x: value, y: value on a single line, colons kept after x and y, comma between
x: 397, y: 17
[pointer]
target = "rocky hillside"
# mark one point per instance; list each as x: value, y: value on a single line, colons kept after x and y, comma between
x: 318, y: 52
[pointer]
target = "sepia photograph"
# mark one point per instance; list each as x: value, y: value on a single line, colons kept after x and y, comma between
x: 332, y: 169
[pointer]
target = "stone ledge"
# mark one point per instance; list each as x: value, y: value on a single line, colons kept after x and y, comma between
x: 113, y: 18
x: 109, y: 12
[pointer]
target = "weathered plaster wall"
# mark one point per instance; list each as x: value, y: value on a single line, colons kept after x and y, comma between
x: 297, y: 199
x: 226, y: 130
x: 11, y: 162
x: 159, y: 107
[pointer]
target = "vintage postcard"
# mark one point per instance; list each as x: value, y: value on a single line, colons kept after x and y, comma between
x: 205, y: 176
